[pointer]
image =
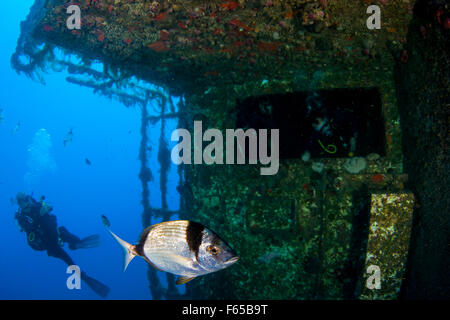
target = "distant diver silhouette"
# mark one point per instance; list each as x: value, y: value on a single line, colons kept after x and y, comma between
x: 43, y: 234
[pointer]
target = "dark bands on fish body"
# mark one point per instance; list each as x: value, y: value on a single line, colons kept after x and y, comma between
x: 194, y: 234
x: 140, y: 246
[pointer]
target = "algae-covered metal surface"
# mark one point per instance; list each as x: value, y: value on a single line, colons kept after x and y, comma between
x: 195, y: 44
x: 309, y: 231
x: 390, y: 222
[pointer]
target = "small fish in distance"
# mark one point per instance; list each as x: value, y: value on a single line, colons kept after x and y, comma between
x: 88, y: 162
x: 16, y: 128
x: 68, y: 138
x: 105, y: 221
x: 181, y: 247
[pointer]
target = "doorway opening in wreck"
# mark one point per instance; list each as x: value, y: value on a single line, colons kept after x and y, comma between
x: 324, y: 123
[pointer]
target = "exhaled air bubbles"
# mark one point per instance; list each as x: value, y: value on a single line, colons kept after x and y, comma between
x: 40, y: 160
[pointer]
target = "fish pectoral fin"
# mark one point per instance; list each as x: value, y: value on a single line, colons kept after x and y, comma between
x: 183, y: 280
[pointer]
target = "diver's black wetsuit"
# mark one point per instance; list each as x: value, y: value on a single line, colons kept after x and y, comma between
x: 43, y: 234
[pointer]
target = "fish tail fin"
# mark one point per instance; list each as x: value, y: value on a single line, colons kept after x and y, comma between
x: 129, y: 251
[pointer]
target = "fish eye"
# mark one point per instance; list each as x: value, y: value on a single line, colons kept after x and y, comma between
x: 213, y: 250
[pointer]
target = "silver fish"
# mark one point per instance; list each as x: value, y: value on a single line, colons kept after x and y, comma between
x: 181, y: 247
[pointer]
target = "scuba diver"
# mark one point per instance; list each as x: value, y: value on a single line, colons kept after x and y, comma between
x: 43, y: 234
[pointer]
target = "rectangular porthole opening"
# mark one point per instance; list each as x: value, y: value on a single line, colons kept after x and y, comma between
x: 332, y: 123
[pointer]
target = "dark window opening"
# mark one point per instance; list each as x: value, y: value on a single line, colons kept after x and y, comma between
x: 323, y: 123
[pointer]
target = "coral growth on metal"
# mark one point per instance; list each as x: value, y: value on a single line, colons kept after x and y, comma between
x: 198, y: 42
x: 303, y: 228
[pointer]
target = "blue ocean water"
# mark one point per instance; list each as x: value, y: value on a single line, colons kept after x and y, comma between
x: 105, y: 132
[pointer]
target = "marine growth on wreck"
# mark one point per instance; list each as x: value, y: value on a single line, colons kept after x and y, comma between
x: 342, y: 199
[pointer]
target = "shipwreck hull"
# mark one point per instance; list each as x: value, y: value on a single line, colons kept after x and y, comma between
x: 312, y: 230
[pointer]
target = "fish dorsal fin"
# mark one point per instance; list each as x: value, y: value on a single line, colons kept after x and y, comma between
x: 184, y: 280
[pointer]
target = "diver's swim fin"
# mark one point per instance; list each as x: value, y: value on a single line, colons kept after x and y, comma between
x: 88, y: 242
x: 98, y: 287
